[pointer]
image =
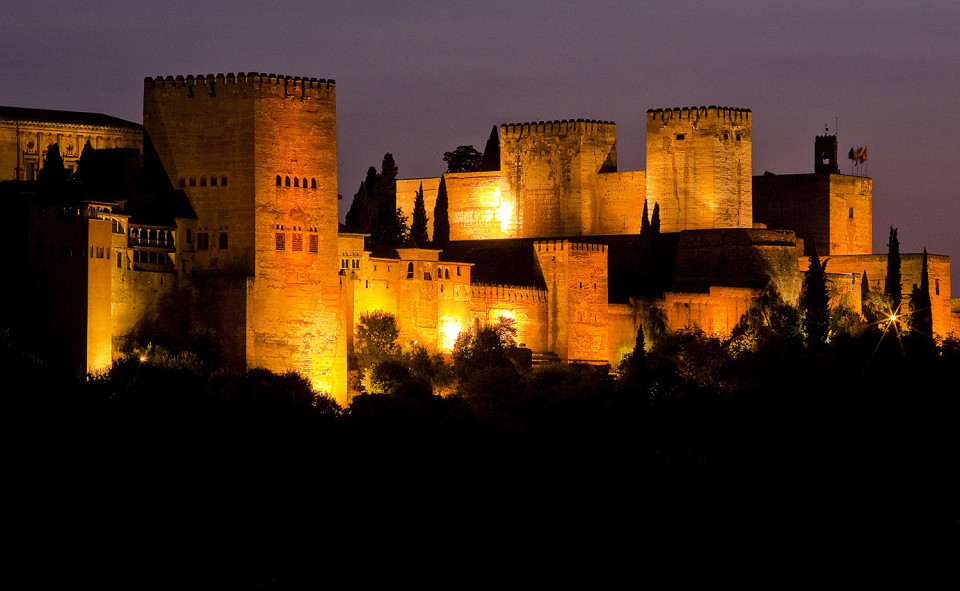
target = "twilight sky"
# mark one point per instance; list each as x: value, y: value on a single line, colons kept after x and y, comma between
x: 420, y: 78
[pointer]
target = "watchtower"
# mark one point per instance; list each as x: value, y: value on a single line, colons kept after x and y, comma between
x: 825, y: 155
x: 549, y: 174
x: 256, y: 156
x: 699, y: 167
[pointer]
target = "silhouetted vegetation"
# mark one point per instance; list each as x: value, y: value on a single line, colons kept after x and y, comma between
x: 374, y: 208
x: 463, y: 159
x: 741, y: 456
x: 441, y: 217
x: 418, y: 227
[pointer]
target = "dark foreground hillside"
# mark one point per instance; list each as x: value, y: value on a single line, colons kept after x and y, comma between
x: 784, y: 468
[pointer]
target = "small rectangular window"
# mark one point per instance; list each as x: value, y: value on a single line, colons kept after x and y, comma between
x: 281, y: 241
x: 681, y: 136
x: 203, y: 241
x: 314, y: 245
x: 222, y: 241
x: 297, y: 242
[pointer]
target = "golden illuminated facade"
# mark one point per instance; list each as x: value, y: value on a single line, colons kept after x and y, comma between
x: 249, y: 248
x: 26, y: 134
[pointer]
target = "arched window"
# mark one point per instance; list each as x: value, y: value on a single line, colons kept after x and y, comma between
x: 313, y: 183
x: 286, y: 181
x: 304, y: 182
x: 296, y: 182
x: 446, y: 273
x: 213, y: 180
x: 278, y: 180
x: 193, y: 181
x: 409, y: 270
x: 223, y: 180
x: 203, y: 181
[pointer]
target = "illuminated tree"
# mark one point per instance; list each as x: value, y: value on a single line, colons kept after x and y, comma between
x: 441, y: 218
x: 891, y: 285
x: 491, y: 152
x: 485, y: 349
x: 377, y: 335
x: 463, y: 159
x: 418, y: 229
x: 814, y: 302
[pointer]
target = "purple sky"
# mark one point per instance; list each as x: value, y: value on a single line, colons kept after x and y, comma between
x: 420, y: 78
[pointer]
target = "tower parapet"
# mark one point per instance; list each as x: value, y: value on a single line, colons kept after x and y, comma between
x: 699, y: 163
x: 288, y: 86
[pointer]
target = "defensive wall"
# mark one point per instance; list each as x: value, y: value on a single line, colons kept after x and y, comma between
x: 738, y: 258
x: 875, y: 267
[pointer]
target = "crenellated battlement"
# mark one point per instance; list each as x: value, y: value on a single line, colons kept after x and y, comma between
x: 694, y: 113
x: 561, y: 126
x: 515, y: 293
x: 560, y: 245
x: 274, y: 83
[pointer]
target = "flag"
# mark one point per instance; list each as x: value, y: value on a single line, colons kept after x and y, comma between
x: 852, y: 155
x: 864, y: 157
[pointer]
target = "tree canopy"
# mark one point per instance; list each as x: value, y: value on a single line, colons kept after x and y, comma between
x: 463, y: 159
x: 814, y: 302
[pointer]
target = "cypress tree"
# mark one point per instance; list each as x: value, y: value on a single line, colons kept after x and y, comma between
x: 418, y: 228
x: 921, y: 316
x: 814, y: 302
x: 645, y: 221
x: 53, y: 170
x: 655, y: 220
x: 891, y: 285
x: 360, y: 215
x: 441, y: 219
x: 491, y: 152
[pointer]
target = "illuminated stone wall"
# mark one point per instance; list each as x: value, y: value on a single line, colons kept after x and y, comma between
x: 715, y: 313
x: 26, y: 134
x: 549, y: 172
x: 830, y: 212
x: 576, y: 279
x: 621, y: 196
x: 875, y: 265
x: 622, y: 324
x: 699, y: 167
x: 270, y: 143
x: 528, y: 306
x: 407, y: 194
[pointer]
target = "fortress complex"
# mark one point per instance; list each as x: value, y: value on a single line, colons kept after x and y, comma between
x: 229, y: 228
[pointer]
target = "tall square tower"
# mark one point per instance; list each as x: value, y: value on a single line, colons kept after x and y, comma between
x: 256, y: 155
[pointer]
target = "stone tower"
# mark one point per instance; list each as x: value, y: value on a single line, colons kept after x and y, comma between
x: 256, y: 155
x: 699, y: 167
x: 825, y: 155
x: 549, y: 174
